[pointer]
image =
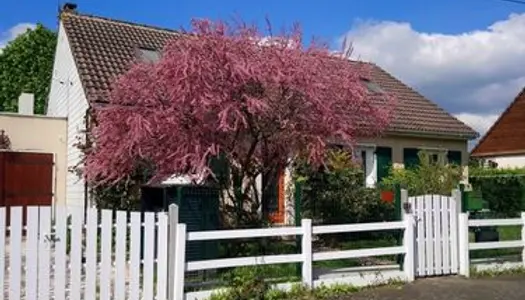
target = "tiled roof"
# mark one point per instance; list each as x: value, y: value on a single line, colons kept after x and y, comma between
x: 416, y: 114
x: 104, y: 48
x: 507, y: 134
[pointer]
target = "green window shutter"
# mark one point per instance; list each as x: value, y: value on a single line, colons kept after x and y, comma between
x: 410, y: 158
x: 454, y: 157
x: 384, y: 162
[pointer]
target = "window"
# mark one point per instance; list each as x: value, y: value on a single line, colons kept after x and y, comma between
x: 435, y: 156
x: 148, y: 55
x: 368, y: 160
x: 372, y: 86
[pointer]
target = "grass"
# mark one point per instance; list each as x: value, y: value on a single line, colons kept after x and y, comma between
x: 474, y: 273
x: 506, y: 233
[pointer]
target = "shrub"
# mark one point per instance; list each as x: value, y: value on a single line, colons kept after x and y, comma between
x: 502, y: 189
x: 427, y: 178
x: 337, y: 194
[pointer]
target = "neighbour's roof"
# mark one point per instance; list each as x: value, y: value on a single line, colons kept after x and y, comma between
x: 105, y: 48
x: 507, y: 134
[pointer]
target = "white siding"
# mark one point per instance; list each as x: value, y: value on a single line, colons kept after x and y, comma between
x: 509, y: 161
x: 67, y: 99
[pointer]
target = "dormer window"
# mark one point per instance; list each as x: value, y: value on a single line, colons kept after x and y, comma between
x: 148, y: 55
x: 372, y: 86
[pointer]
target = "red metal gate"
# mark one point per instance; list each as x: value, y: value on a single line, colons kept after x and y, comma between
x: 26, y: 179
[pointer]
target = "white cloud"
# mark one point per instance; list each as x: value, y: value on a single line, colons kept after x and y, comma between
x: 480, y: 122
x: 13, y: 32
x: 474, y: 75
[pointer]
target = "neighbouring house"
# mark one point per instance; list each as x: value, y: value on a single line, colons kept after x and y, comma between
x: 504, y: 142
x: 93, y: 50
x: 33, y: 151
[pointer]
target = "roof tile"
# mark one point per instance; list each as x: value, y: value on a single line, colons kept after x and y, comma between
x: 506, y: 134
x: 105, y: 48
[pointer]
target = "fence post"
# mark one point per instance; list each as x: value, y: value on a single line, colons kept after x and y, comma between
x: 306, y: 225
x: 523, y: 237
x: 180, y: 262
x: 298, y: 196
x: 408, y: 240
x: 173, y: 219
x: 464, y: 257
x: 398, y: 216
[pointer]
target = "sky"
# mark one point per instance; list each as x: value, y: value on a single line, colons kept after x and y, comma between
x: 465, y: 55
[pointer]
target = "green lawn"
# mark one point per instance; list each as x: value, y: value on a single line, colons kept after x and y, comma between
x: 506, y: 233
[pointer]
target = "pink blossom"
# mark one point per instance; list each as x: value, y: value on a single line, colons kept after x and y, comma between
x: 217, y: 90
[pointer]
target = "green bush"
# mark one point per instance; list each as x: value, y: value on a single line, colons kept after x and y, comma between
x: 427, y: 178
x: 502, y: 189
x: 336, y: 193
x: 244, y: 283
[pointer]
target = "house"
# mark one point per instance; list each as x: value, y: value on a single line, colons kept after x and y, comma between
x: 504, y: 142
x: 92, y: 50
x: 33, y: 153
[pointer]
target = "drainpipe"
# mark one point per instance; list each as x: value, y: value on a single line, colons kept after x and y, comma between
x: 86, y: 190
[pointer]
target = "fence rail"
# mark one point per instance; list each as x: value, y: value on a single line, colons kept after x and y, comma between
x: 466, y: 246
x: 306, y: 257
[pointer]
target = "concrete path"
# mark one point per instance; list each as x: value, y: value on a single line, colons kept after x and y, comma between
x: 450, y: 288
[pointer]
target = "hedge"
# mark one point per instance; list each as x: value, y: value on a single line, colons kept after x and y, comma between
x: 502, y: 189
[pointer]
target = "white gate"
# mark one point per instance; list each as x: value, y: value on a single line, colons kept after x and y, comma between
x: 436, y: 235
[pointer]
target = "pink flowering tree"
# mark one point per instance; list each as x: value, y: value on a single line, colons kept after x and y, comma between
x: 255, y: 99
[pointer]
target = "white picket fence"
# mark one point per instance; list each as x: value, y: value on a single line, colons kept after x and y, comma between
x: 106, y: 255
x: 98, y: 259
x: 465, y: 246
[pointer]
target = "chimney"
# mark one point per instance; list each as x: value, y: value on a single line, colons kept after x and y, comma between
x: 26, y: 103
x: 69, y: 7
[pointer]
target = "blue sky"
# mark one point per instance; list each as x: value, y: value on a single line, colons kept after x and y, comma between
x: 466, y: 55
x: 327, y: 19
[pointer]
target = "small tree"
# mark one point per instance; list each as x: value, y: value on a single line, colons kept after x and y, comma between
x: 429, y: 177
x: 26, y: 65
x: 230, y: 90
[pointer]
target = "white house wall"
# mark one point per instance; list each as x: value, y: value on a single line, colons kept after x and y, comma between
x: 67, y: 99
x: 511, y: 161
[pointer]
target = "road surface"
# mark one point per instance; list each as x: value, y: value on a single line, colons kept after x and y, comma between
x: 450, y: 288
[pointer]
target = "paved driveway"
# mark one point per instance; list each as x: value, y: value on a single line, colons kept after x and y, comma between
x: 451, y: 288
